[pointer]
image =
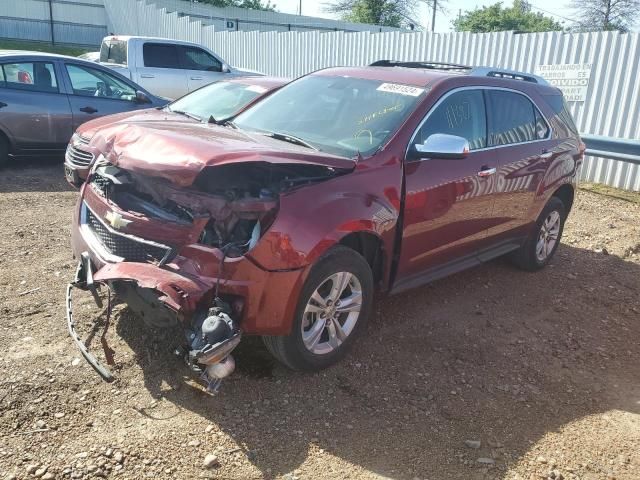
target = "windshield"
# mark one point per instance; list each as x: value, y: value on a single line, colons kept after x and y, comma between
x: 338, y: 115
x: 113, y: 51
x: 219, y: 100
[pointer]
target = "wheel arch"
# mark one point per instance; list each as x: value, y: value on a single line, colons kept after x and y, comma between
x: 371, y: 247
x: 566, y: 193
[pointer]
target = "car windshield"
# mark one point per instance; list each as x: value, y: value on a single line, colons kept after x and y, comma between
x: 338, y: 115
x: 219, y: 100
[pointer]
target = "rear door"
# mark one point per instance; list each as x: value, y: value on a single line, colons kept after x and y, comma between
x: 96, y: 92
x: 33, y: 109
x: 161, y: 71
x: 448, y: 202
x: 522, y: 138
x: 200, y: 66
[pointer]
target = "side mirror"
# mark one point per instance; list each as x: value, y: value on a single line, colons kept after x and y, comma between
x: 141, y: 97
x: 442, y: 145
x: 225, y: 68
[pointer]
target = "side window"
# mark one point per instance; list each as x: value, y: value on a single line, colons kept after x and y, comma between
x: 93, y: 82
x: 160, y: 56
x: 33, y: 76
x: 542, y: 129
x: 462, y: 114
x: 2, y: 80
x: 561, y: 109
x: 197, y: 59
x: 512, y: 118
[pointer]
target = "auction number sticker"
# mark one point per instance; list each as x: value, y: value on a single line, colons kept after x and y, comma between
x: 401, y: 89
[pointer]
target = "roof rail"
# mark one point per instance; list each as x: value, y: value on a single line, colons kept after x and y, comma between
x: 426, y: 64
x: 475, y: 71
x: 510, y: 74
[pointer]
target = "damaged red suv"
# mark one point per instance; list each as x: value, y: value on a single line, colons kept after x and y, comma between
x: 346, y: 182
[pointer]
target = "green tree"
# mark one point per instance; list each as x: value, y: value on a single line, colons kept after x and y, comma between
x: 606, y: 14
x: 252, y: 4
x: 389, y: 13
x: 496, y: 18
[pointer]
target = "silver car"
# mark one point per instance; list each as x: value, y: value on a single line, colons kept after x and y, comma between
x: 45, y: 97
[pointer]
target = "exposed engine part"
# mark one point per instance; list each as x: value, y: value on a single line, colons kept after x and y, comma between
x: 145, y: 303
x: 213, y: 336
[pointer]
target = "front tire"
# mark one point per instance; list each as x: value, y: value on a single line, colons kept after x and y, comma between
x: 4, y: 151
x: 544, y: 239
x: 334, y: 305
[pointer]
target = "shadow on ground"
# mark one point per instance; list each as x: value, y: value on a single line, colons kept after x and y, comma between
x: 34, y: 175
x: 491, y: 354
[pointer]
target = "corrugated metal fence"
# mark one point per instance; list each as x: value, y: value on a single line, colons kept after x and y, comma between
x: 612, y: 106
x: 80, y: 22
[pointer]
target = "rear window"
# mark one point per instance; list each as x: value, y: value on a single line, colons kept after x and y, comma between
x: 160, y: 56
x: 33, y: 76
x: 560, y: 108
x: 113, y: 51
x: 512, y: 118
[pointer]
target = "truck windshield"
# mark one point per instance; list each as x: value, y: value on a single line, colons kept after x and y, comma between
x: 113, y: 51
x: 219, y: 100
x: 338, y: 115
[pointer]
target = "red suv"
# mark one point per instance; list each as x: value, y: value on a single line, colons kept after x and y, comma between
x: 349, y: 181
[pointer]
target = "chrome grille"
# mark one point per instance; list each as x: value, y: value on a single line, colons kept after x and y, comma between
x: 123, y: 246
x: 78, y: 157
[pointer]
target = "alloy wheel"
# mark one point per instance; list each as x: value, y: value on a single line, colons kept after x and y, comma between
x: 331, y: 313
x: 548, y: 236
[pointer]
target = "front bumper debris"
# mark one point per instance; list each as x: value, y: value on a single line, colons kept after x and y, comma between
x: 83, y: 279
x: 210, y: 338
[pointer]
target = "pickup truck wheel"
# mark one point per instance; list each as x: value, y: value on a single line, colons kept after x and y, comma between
x: 4, y: 151
x: 544, y: 239
x: 333, y: 308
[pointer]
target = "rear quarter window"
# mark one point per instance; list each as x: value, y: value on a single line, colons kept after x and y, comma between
x: 561, y: 110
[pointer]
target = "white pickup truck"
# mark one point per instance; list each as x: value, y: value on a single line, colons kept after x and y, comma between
x: 164, y: 67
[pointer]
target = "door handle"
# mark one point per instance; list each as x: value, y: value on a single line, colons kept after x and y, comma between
x: 2, y: 105
x: 88, y: 110
x: 146, y: 75
x: 196, y: 78
x: 546, y: 154
x: 486, y: 172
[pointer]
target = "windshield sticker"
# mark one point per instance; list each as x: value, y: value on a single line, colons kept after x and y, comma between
x: 256, y: 88
x: 401, y: 89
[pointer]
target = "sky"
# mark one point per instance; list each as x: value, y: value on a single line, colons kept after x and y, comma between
x: 556, y: 9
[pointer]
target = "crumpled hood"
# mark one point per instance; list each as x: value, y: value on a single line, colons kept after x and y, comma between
x: 179, y: 150
x: 88, y: 129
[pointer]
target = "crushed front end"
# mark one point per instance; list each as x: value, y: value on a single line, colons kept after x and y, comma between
x: 181, y: 255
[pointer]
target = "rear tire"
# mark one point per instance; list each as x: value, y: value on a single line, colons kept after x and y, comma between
x: 543, y: 241
x: 332, y: 311
x: 4, y: 152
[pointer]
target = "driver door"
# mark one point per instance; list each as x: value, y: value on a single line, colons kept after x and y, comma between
x: 201, y: 67
x: 96, y: 92
x: 449, y: 202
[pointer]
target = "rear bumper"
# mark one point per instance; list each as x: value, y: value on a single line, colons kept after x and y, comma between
x: 264, y: 301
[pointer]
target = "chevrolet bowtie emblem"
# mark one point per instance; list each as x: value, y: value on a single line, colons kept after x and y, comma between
x: 116, y: 220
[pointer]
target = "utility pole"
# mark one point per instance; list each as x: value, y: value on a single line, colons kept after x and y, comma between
x: 433, y: 19
x: 300, y: 8
x: 53, y: 37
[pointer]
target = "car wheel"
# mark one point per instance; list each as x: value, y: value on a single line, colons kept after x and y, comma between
x: 4, y: 152
x: 332, y: 310
x: 544, y: 239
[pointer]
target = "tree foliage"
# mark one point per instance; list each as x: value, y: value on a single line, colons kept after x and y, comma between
x: 606, y: 14
x: 389, y: 13
x: 253, y: 4
x: 496, y: 18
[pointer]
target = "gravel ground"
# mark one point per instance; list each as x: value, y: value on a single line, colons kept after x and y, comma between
x: 490, y: 374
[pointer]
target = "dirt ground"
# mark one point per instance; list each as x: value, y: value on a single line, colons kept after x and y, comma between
x: 543, y: 370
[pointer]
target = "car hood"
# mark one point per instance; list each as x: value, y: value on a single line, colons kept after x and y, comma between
x: 179, y: 150
x: 248, y: 72
x: 89, y: 128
